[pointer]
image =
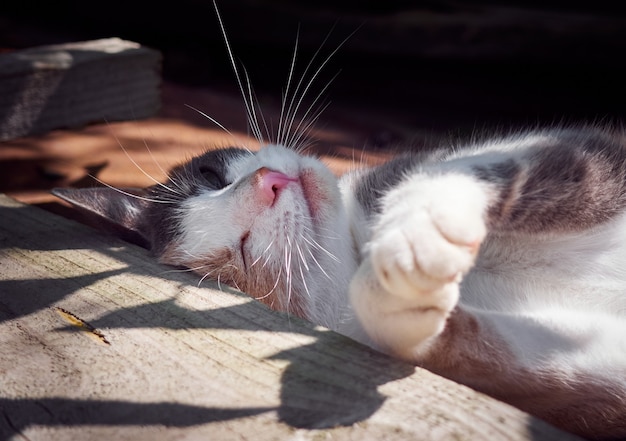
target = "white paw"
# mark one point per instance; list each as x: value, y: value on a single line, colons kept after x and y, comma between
x: 427, y: 237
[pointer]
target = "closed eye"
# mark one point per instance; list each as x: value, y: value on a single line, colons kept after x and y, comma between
x: 212, y: 178
x: 242, y: 250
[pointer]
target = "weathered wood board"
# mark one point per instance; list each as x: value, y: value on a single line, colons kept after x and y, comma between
x: 100, y: 342
x: 73, y: 84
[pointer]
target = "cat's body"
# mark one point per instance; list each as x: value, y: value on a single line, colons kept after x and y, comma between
x: 541, y: 319
x: 501, y: 265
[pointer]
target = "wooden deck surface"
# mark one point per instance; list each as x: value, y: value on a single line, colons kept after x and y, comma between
x: 99, y: 342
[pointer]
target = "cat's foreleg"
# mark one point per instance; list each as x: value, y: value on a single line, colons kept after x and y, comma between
x: 422, y: 244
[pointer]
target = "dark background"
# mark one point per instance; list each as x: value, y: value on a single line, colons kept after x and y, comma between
x: 434, y: 64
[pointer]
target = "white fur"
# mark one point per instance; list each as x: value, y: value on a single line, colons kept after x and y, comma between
x: 422, y: 244
x: 314, y: 254
x: 418, y: 259
x: 557, y: 301
x: 554, y: 303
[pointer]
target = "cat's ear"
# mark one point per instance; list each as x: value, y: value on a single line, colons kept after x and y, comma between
x: 121, y: 212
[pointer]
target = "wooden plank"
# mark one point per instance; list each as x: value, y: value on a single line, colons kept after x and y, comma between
x: 100, y: 342
x: 73, y: 84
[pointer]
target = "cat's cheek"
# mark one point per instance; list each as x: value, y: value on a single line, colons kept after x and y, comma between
x: 201, y: 264
x: 226, y: 266
x: 321, y: 194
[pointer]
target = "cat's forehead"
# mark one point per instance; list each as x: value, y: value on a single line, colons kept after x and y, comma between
x: 233, y: 162
x: 221, y: 160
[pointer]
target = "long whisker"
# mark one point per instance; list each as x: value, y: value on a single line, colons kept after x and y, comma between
x: 213, y: 120
x: 318, y: 265
x: 294, y: 110
x: 280, y: 138
x: 291, y: 110
x: 302, y: 257
x: 306, y: 288
x: 280, y: 270
x: 309, y: 230
x: 158, y: 201
x: 176, y: 185
x: 184, y: 270
x: 221, y: 126
x: 267, y: 260
x: 172, y: 177
x: 316, y: 245
x: 263, y: 253
x: 253, y: 119
x: 288, y: 265
x: 297, y: 130
x: 190, y: 254
x: 148, y: 175
x: 288, y: 273
x: 300, y: 132
x: 207, y: 275
x: 249, y: 105
x: 219, y: 276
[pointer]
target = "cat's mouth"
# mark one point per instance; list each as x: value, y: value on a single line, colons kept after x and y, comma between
x: 282, y: 193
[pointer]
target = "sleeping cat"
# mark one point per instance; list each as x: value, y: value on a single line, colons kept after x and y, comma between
x: 499, y: 264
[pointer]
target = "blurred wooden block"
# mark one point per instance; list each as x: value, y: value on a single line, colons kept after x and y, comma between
x: 73, y: 84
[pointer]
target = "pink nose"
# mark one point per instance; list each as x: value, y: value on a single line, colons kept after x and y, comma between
x: 270, y: 183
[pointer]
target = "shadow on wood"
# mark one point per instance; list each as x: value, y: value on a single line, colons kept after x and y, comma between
x: 199, y: 363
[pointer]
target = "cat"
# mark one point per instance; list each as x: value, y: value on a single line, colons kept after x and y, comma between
x: 500, y: 263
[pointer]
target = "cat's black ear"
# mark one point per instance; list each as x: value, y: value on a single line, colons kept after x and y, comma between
x: 121, y: 212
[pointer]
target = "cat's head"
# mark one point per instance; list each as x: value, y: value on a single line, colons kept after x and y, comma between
x: 270, y: 223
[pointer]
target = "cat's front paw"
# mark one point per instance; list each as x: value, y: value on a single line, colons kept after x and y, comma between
x: 428, y: 236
